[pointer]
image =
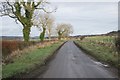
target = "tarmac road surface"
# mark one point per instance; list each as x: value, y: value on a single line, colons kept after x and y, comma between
x: 71, y: 62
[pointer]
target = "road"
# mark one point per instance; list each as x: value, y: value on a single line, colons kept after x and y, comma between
x: 71, y: 62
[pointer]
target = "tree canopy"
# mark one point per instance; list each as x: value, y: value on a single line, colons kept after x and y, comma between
x: 64, y: 30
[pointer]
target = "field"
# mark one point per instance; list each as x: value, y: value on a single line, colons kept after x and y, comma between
x: 29, y: 58
x: 102, y: 48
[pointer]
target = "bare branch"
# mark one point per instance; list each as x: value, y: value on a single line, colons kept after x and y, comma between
x: 46, y: 10
x: 38, y: 4
x: 23, y: 3
x: 16, y: 21
x: 2, y: 14
x: 12, y: 16
x: 11, y: 7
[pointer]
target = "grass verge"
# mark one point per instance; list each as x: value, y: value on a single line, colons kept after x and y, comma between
x: 27, y: 62
x: 101, y: 53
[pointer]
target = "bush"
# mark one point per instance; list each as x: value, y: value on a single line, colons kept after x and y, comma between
x: 9, y: 46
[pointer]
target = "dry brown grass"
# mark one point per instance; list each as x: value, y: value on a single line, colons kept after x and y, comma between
x: 18, y: 53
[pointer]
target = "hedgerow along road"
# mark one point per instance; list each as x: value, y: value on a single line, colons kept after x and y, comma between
x: 71, y: 62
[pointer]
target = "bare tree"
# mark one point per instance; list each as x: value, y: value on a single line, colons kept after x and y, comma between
x: 23, y: 12
x: 50, y: 25
x: 64, y: 30
x: 45, y: 23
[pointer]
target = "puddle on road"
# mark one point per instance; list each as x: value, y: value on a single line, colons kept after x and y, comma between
x: 101, y: 64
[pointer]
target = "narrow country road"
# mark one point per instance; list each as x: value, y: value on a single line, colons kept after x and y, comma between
x: 71, y: 62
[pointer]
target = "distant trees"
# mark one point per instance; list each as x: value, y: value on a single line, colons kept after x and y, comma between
x: 64, y: 30
x: 45, y: 23
x: 22, y: 11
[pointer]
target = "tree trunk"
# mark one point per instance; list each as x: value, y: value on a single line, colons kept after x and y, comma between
x: 26, y: 33
x: 59, y: 37
x: 49, y: 36
x: 42, y: 35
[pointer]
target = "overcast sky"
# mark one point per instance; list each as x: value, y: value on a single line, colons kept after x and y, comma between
x: 86, y: 18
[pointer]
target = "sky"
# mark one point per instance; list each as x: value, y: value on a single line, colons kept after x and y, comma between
x: 85, y: 17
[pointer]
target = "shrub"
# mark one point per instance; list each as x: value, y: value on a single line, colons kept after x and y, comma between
x: 117, y: 43
x: 9, y: 46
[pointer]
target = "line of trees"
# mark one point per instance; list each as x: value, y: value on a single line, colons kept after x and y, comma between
x: 28, y: 14
x: 44, y: 23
